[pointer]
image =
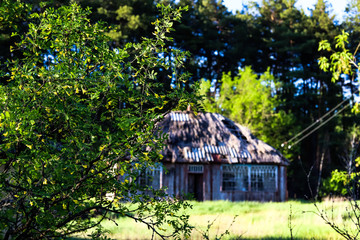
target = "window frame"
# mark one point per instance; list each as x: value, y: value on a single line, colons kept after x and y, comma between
x: 249, y: 178
x: 148, y: 175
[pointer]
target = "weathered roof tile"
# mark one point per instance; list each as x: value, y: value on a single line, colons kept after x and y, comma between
x: 198, y: 138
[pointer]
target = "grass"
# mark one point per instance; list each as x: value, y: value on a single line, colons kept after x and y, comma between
x: 255, y: 221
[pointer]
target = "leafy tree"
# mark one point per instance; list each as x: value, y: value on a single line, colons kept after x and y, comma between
x: 13, y: 18
x: 251, y: 100
x: 78, y: 121
x: 130, y: 19
x: 341, y: 60
x: 351, y: 23
x: 289, y: 47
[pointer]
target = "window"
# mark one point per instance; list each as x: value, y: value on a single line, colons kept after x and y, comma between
x: 235, y: 177
x: 196, y: 169
x: 257, y: 181
x: 263, y: 178
x: 229, y: 181
x: 150, y: 177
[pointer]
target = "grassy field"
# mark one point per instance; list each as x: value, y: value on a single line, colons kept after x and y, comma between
x: 255, y: 221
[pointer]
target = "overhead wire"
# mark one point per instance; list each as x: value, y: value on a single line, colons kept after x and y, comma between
x: 317, y: 121
x: 323, y: 123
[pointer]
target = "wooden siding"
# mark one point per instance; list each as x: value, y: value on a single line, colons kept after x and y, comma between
x: 179, y: 182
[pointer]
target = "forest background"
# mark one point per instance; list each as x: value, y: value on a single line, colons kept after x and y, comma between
x: 259, y: 67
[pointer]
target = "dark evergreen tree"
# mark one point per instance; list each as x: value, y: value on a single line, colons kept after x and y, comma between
x: 290, y: 43
x: 130, y: 19
x: 216, y: 38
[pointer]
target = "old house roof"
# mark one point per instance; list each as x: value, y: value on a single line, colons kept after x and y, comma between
x: 210, y: 137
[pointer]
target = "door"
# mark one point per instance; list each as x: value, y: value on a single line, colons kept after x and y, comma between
x: 195, y: 186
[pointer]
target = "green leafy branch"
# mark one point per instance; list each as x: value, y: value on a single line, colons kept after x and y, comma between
x: 341, y: 60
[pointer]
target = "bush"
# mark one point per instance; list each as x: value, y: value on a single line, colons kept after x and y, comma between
x: 77, y: 116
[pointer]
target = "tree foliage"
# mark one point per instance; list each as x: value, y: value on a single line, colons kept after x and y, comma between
x: 130, y: 19
x: 13, y: 15
x: 78, y: 121
x: 342, y: 62
x: 274, y: 33
x: 250, y: 100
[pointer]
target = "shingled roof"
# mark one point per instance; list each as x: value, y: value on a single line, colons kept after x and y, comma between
x: 210, y: 137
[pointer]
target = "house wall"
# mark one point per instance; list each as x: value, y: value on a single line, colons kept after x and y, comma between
x: 207, y: 184
x: 283, y: 194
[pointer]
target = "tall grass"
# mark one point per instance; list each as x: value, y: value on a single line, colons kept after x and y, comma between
x: 255, y: 220
x: 269, y: 220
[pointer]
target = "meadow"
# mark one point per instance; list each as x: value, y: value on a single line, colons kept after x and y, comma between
x: 255, y: 220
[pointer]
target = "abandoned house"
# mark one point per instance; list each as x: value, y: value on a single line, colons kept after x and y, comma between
x: 213, y: 158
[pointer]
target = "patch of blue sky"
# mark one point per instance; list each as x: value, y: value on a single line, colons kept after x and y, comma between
x: 336, y: 7
x: 49, y: 58
x: 354, y: 84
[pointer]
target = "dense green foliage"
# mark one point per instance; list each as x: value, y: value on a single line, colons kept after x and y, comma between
x: 343, y: 62
x: 251, y: 100
x: 282, y: 38
x: 78, y: 121
x: 274, y: 34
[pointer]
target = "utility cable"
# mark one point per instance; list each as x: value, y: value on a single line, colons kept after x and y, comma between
x: 318, y: 120
x: 323, y: 123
